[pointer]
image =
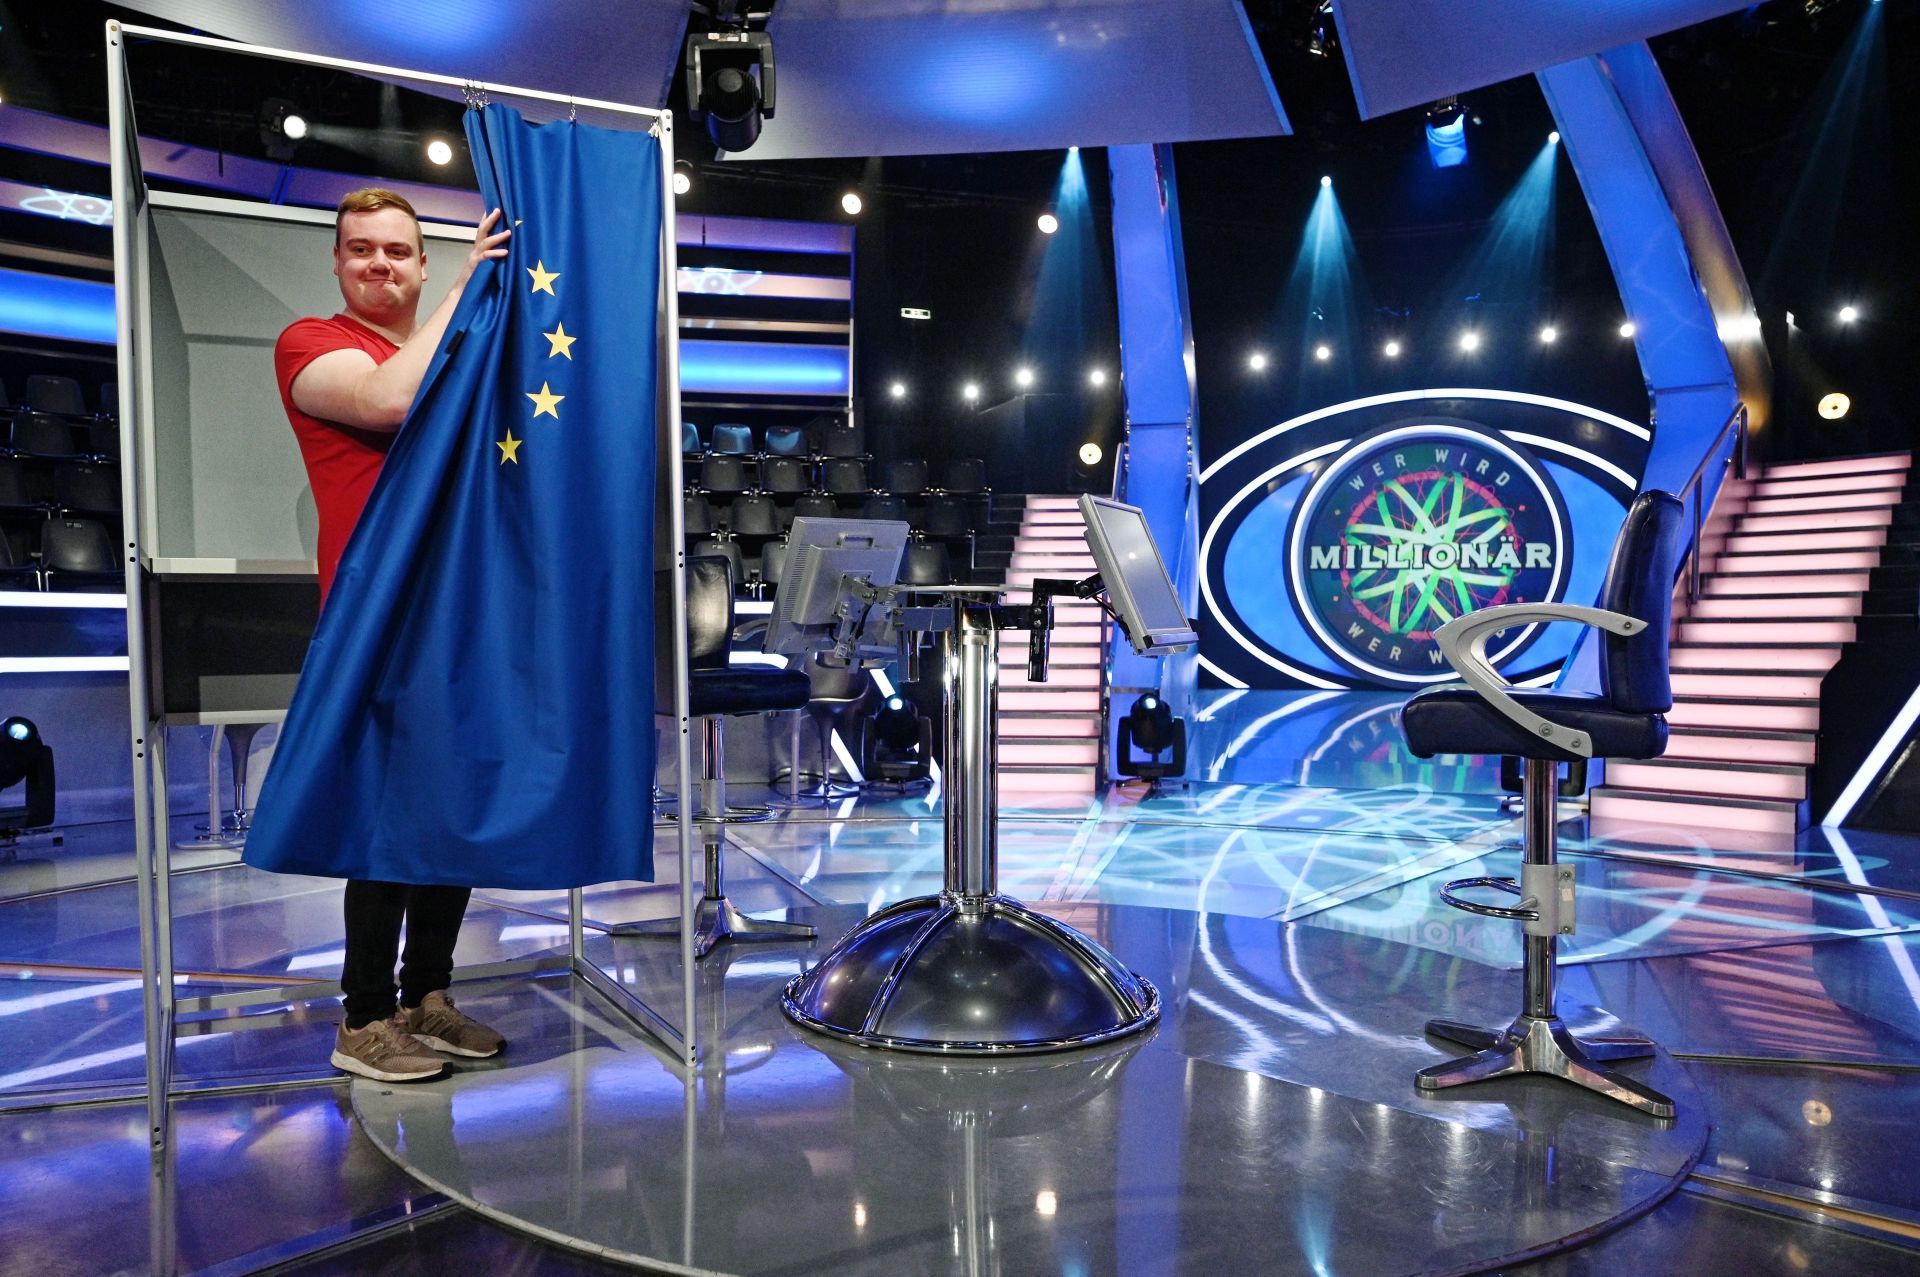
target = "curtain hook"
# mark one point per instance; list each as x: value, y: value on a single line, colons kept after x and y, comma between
x: 573, y: 111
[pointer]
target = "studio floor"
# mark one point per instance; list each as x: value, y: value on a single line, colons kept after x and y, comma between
x: 1268, y: 1123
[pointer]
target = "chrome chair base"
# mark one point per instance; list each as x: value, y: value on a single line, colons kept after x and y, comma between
x: 716, y: 919
x: 960, y: 975
x: 1544, y: 1044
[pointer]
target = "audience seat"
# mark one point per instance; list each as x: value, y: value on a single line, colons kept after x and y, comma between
x: 697, y: 515
x: 724, y: 475
x: 690, y: 440
x: 904, y: 478
x: 78, y: 554
x: 786, y: 476
x: 40, y: 434
x: 85, y: 490
x: 966, y: 476
x: 25, y: 488
x: 844, y: 477
x: 58, y: 395
x: 786, y: 441
x: 732, y: 440
x: 926, y: 563
x: 110, y: 399
x: 839, y: 439
x: 15, y: 575
x: 885, y: 506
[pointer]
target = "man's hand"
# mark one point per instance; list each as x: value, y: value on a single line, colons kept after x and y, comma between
x: 485, y: 245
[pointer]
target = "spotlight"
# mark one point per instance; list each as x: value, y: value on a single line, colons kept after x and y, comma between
x: 682, y: 177
x: 898, y: 390
x: 970, y: 392
x: 1023, y: 378
x: 1257, y: 361
x: 24, y: 756
x: 1097, y: 377
x: 281, y: 125
x: 899, y: 746
x: 1323, y: 35
x: 1073, y: 150
x: 1323, y: 353
x: 1469, y: 341
x: 1391, y: 350
x: 1090, y: 454
x: 1835, y: 406
x: 1553, y: 138
x: 438, y: 151
x: 721, y: 87
x: 1151, y: 728
x: 1627, y: 329
x: 1849, y: 313
x: 1549, y: 335
x: 1049, y: 223
x: 850, y: 204
x: 294, y: 126
x: 1326, y: 179
x: 1447, y: 133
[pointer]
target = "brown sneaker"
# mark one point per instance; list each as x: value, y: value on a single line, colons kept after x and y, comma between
x: 436, y: 1023
x: 385, y: 1052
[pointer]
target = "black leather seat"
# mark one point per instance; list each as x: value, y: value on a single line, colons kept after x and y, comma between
x: 1624, y: 719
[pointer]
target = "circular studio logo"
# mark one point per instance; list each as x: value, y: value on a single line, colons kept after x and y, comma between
x: 1412, y: 527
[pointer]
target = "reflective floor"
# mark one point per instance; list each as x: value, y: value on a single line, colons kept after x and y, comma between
x: 1297, y: 923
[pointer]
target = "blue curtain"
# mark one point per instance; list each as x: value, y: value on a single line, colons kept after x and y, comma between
x: 477, y: 705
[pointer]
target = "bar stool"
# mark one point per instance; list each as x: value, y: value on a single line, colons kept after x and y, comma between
x: 717, y: 690
x: 226, y: 829
x: 835, y: 698
x: 1624, y: 720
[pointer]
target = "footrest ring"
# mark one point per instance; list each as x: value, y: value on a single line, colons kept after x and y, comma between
x: 1524, y: 913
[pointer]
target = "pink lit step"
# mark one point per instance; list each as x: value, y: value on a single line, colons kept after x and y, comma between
x: 1873, y: 517
x: 1053, y: 503
x: 1838, y: 539
x: 1863, y: 482
x: 1786, y: 630
x: 1032, y: 778
x: 1769, y: 606
x: 1633, y: 832
x: 1061, y: 700
x: 1818, y: 657
x: 1063, y: 564
x: 1014, y: 675
x: 1785, y: 583
x: 1081, y: 751
x: 1645, y: 807
x: 1780, y: 716
x: 1727, y: 744
x: 1733, y: 683
x: 1771, y: 561
x: 1725, y: 780
x: 1840, y: 465
x: 1824, y: 501
x: 1017, y: 723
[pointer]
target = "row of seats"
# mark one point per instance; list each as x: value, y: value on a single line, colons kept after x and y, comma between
x: 63, y: 397
x: 756, y: 514
x: 54, y: 438
x: 821, y: 437
x: 77, y: 488
x: 63, y: 554
x: 837, y: 477
x: 925, y: 562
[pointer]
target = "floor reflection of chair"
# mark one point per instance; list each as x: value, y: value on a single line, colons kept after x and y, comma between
x: 836, y: 698
x: 716, y: 691
x: 1624, y: 720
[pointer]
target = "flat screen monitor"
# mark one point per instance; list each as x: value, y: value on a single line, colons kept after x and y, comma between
x: 1136, y: 580
x: 821, y: 555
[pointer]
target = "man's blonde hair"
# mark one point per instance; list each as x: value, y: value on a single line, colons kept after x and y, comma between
x: 369, y: 199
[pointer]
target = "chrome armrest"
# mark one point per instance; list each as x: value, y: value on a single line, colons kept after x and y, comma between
x: 1463, y: 642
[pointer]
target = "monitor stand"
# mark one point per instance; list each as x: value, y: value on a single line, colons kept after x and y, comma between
x: 970, y: 971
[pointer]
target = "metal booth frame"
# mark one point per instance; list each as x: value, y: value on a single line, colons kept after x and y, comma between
x: 164, y: 1012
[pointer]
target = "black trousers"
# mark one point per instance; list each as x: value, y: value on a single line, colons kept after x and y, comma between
x: 375, y: 911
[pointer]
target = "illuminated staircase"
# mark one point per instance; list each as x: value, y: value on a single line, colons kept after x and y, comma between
x: 1787, y: 560
x: 1049, y: 733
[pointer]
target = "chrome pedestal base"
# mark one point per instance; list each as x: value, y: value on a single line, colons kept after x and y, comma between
x: 716, y: 919
x: 984, y: 976
x: 1543, y: 1044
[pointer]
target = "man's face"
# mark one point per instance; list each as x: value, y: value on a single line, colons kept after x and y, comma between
x: 380, y: 264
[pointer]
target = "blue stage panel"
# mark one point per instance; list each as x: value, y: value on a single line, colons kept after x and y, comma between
x: 1404, y: 53
x: 37, y: 305
x: 764, y: 368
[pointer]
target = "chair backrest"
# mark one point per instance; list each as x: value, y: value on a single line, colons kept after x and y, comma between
x: 1640, y: 578
x: 884, y: 507
x: 926, y: 563
x: 76, y: 545
x: 812, y: 507
x: 109, y: 398
x: 905, y: 478
x: 689, y: 439
x: 103, y: 438
x: 966, y: 474
x: 841, y: 439
x: 754, y: 517
x: 22, y: 484
x: 710, y: 579
x: 723, y: 548
x: 42, y: 435
x: 733, y: 440
x: 844, y: 478
x: 773, y: 562
x: 47, y: 393
x: 785, y: 474
x: 786, y: 441
x: 698, y: 515
x: 946, y: 517
x: 723, y: 473
x: 78, y: 486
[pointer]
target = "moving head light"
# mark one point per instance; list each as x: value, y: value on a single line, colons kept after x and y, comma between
x: 722, y: 88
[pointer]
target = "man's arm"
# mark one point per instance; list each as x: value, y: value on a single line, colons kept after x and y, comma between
x: 347, y: 386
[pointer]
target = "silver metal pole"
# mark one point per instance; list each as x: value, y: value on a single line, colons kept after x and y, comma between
x: 972, y: 847
x: 1542, y: 795
x: 713, y: 800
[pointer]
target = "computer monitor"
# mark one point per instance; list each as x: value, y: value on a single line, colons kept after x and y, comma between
x: 821, y: 554
x: 1136, y: 580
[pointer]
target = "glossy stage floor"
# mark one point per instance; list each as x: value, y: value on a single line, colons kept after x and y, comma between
x: 1268, y: 1124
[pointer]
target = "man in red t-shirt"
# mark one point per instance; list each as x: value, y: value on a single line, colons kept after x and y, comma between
x: 347, y: 384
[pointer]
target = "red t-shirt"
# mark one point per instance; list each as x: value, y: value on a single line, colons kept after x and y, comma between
x: 342, y: 461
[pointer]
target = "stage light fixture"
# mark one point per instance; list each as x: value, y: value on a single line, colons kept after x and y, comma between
x: 24, y: 756
x: 1150, y: 728
x: 1469, y: 341
x: 294, y: 126
x: 1323, y: 353
x: 722, y: 88
x: 1023, y: 378
x: 899, y: 744
x: 281, y: 125
x: 1553, y: 138
x: 682, y: 177
x: 1447, y: 133
x: 1097, y: 377
x: 970, y: 392
x: 1627, y: 329
x: 1849, y: 313
x: 1049, y: 223
x: 1391, y: 350
x: 1257, y: 361
x: 1834, y: 406
x: 1323, y: 34
x: 851, y: 204
x: 1326, y: 179
x: 898, y: 390
x: 1549, y: 335
x: 1090, y: 454
x: 439, y: 152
